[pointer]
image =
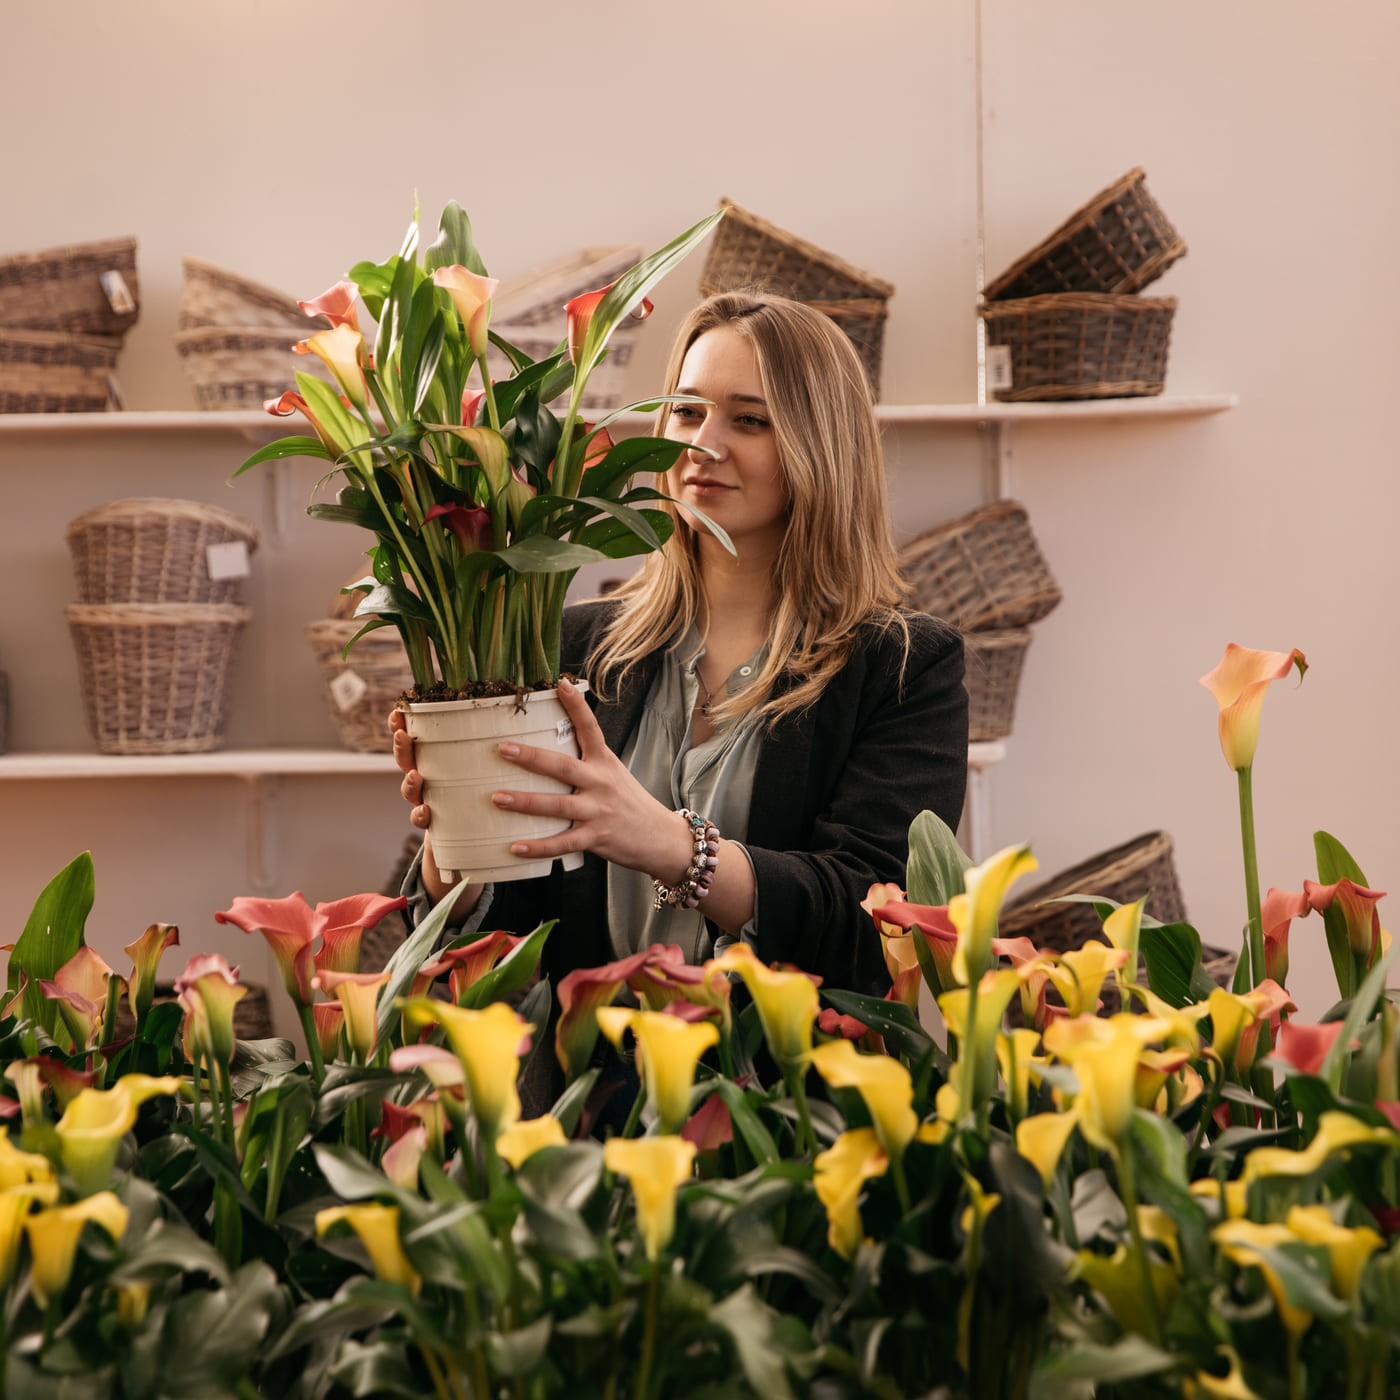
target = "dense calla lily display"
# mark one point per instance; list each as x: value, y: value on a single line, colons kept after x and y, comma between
x: 482, y: 502
x: 807, y: 1195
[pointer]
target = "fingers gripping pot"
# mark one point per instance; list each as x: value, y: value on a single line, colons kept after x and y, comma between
x: 456, y: 746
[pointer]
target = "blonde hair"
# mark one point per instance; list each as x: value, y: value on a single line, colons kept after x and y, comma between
x: 835, y: 569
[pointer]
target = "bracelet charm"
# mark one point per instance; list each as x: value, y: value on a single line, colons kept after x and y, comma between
x: 699, y: 876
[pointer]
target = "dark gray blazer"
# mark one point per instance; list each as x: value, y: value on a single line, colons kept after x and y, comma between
x: 834, y: 791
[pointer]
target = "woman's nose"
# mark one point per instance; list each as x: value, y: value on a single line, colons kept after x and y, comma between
x: 708, y: 439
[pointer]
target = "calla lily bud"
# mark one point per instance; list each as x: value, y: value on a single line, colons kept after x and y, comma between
x: 342, y: 350
x: 209, y: 991
x: 145, y: 954
x: 327, y: 1018
x: 1238, y: 684
x: 337, y: 305
x: 53, y: 1240
x: 358, y: 993
x: 841, y: 1172
x: 656, y: 1168
x: 378, y: 1229
x: 471, y: 294
x: 883, y: 1084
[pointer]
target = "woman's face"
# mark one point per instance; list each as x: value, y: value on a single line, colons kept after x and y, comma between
x: 739, y: 481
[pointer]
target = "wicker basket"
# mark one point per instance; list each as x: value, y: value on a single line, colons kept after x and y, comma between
x: 233, y: 367
x: 981, y: 571
x: 154, y: 675
x: 214, y: 296
x: 362, y: 689
x: 53, y: 372
x: 1139, y: 867
x: 606, y: 385
x: 61, y: 289
x: 748, y: 252
x: 151, y: 550
x: 1118, y: 242
x: 992, y: 678
x: 1082, y: 345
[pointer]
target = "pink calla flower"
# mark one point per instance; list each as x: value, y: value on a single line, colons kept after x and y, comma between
x: 400, y: 1162
x: 292, y: 402
x: 1358, y: 907
x: 290, y: 926
x: 1238, y: 684
x: 80, y: 988
x: 709, y: 1127
x: 337, y: 305
x: 1279, y: 910
x: 343, y: 922
x: 1306, y: 1047
x: 470, y: 964
x: 472, y: 399
x: 327, y: 1018
x: 145, y: 954
x: 472, y: 527
x: 1391, y: 1111
x: 471, y: 294
x: 581, y: 993
x: 209, y: 991
x: 440, y: 1066
x: 342, y: 350
x: 833, y: 1022
x: 580, y: 312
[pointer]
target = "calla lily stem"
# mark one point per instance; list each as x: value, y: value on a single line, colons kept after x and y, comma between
x: 648, y: 1332
x: 1251, y: 876
x: 1127, y: 1186
x: 313, y: 1044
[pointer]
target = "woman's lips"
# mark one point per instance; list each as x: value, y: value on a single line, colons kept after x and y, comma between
x: 707, y: 488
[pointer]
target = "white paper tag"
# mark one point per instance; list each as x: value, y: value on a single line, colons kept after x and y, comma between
x: 348, y: 689
x: 998, y: 367
x: 119, y: 296
x: 564, y: 732
x: 227, y: 560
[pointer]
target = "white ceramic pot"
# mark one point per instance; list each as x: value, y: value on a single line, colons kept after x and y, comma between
x: 456, y: 743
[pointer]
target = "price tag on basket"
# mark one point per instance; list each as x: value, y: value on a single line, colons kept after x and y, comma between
x: 348, y: 689
x: 118, y: 294
x: 999, y: 367
x: 227, y: 560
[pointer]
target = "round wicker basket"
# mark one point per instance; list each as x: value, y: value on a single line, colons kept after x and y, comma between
x: 1118, y: 241
x: 993, y: 677
x: 983, y: 570
x: 60, y: 289
x: 54, y: 372
x: 152, y: 550
x: 361, y: 690
x: 154, y: 675
x: 242, y: 367
x: 1082, y: 345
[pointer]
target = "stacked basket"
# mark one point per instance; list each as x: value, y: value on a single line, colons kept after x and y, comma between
x: 63, y: 315
x: 985, y: 574
x: 528, y: 312
x: 154, y: 630
x: 236, y: 338
x: 750, y: 254
x: 1067, y: 313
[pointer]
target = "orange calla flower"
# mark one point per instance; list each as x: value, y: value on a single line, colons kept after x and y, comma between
x: 580, y: 312
x: 471, y: 294
x: 337, y: 305
x: 342, y: 350
x: 1238, y: 684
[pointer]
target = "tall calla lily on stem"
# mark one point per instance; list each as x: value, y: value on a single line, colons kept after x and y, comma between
x: 342, y: 350
x: 1238, y: 684
x: 145, y: 954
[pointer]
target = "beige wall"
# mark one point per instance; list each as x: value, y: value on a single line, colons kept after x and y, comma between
x: 286, y: 139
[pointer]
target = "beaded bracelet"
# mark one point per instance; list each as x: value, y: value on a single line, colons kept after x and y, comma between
x: 696, y: 882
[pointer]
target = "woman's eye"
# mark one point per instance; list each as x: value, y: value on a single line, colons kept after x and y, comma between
x: 684, y: 410
x: 752, y: 420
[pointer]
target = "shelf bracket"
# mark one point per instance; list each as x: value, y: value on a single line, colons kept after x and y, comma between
x: 277, y: 497
x: 979, y: 815
x: 998, y: 475
x: 262, y: 793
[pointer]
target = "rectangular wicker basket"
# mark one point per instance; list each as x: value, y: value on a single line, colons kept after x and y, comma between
x: 61, y: 289
x: 1082, y: 345
x: 748, y: 253
x: 993, y: 679
x: 982, y: 571
x: 56, y: 372
x: 155, y: 675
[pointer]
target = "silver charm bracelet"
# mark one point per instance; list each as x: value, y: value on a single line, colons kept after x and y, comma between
x: 696, y: 882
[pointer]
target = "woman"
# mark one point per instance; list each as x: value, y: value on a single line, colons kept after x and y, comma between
x: 781, y: 695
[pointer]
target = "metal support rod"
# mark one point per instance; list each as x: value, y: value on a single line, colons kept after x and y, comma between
x: 998, y: 477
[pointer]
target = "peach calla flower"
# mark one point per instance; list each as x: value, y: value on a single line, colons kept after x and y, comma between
x: 471, y: 294
x: 342, y: 350
x: 292, y: 402
x: 1238, y: 684
x: 145, y: 954
x: 440, y: 1067
x: 342, y: 924
x: 80, y: 989
x: 378, y: 1229
x: 522, y: 1140
x: 400, y: 1160
x: 656, y: 1168
x: 337, y: 305
x: 1279, y: 909
x: 209, y: 991
x: 1358, y: 908
x: 1305, y: 1047
x: 580, y: 312
x: 884, y: 1086
x: 327, y: 1018
x: 841, y: 1173
x: 582, y: 992
x: 290, y: 926
x: 53, y: 1240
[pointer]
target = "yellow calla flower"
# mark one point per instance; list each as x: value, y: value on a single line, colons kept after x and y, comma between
x: 1079, y: 975
x: 656, y: 1167
x: 94, y: 1123
x: 974, y: 913
x: 840, y: 1173
x: 1348, y: 1248
x: 522, y: 1140
x: 1179, y: 1021
x: 1227, y: 1387
x: 1116, y: 1278
x: 1041, y: 1140
x: 1154, y: 1068
x: 884, y: 1086
x: 133, y: 1301
x: 1123, y: 929
x: 787, y: 1003
x: 53, y: 1239
x: 1016, y: 1058
x: 1242, y: 1241
x: 18, y: 1167
x: 488, y: 1043
x: 358, y: 995
x: 1235, y: 1193
x: 1229, y: 1015
x: 1104, y: 1055
x: 978, y: 1043
x: 14, y: 1208
x: 1336, y: 1131
x: 341, y: 349
x: 1156, y: 1225
x: 668, y: 1050
x: 378, y: 1228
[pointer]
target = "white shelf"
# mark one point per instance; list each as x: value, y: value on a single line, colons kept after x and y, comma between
x: 252, y: 423
x: 262, y: 763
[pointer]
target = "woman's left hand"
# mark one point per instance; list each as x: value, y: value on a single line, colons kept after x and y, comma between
x: 613, y: 815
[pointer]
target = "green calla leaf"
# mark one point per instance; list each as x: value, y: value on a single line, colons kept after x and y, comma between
x: 347, y: 1084
x: 284, y: 447
x: 52, y: 934
x: 568, y: 1108
x: 393, y: 600
x: 1129, y: 1358
x: 936, y: 861
x: 541, y: 554
x: 1362, y: 1005
x: 454, y: 246
x: 892, y: 1020
x: 747, y: 1123
x: 410, y: 956
x: 627, y: 459
x: 519, y: 1353
x: 519, y: 360
x: 614, y: 539
x: 375, y: 1369
x: 511, y: 973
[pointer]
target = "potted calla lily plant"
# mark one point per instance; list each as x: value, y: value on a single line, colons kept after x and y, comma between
x: 483, y: 504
